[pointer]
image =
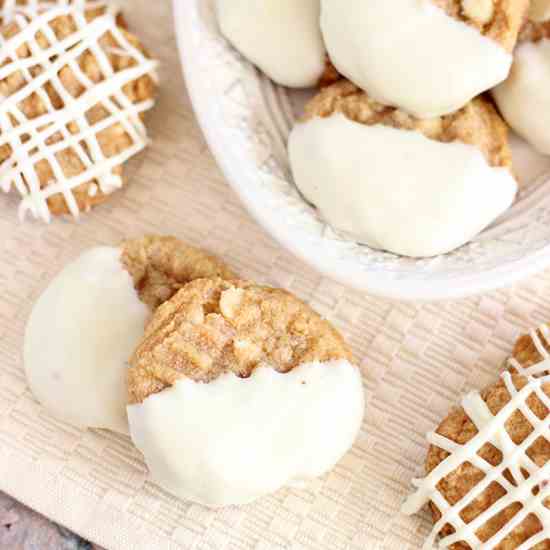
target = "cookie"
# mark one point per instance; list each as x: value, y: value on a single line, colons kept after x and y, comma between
x: 476, y: 124
x: 468, y: 44
x: 96, y: 310
x: 281, y: 37
x: 348, y: 149
x: 161, y: 265
x: 498, y: 20
x: 214, y: 326
x: 488, y: 464
x: 238, y: 389
x: 68, y: 131
x: 522, y: 98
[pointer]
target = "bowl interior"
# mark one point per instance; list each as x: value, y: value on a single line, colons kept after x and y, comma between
x: 247, y: 119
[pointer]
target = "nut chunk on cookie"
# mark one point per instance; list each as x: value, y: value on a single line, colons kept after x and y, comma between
x: 75, y: 86
x: 237, y: 389
x: 415, y: 187
x: 428, y: 57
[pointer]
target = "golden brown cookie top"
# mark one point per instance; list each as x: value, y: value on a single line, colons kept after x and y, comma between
x: 161, y: 265
x: 90, y: 89
x: 214, y: 326
x: 499, y: 20
x: 478, y: 123
x: 525, y: 349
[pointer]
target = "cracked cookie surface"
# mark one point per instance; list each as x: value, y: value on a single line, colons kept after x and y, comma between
x: 214, y: 326
x: 161, y: 265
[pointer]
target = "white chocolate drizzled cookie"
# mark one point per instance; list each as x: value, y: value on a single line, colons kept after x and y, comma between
x: 75, y: 87
x: 488, y: 464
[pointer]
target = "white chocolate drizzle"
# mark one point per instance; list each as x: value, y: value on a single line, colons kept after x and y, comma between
x: 540, y: 369
x: 11, y: 8
x: 28, y: 137
x: 491, y: 429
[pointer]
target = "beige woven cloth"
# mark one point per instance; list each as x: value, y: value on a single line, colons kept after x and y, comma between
x: 417, y: 360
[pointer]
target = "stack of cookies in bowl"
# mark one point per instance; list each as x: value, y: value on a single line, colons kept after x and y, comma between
x: 405, y: 146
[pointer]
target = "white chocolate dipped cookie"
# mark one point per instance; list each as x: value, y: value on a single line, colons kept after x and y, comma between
x: 75, y: 86
x: 427, y: 57
x: 488, y: 463
x: 281, y: 37
x: 86, y: 324
x: 415, y: 187
x: 237, y: 390
x: 523, y: 99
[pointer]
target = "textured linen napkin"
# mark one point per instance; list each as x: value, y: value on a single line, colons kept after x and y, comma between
x: 416, y: 360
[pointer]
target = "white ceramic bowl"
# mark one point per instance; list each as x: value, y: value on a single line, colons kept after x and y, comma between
x: 246, y: 120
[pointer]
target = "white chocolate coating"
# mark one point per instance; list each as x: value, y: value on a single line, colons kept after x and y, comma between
x: 523, y: 99
x: 394, y: 189
x: 78, y: 339
x: 233, y: 440
x: 281, y: 37
x: 411, y: 54
x: 539, y: 10
x: 491, y: 429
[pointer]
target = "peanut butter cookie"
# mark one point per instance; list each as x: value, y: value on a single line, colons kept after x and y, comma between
x: 161, y: 265
x: 214, y: 326
x: 477, y: 123
x: 488, y: 461
x: 459, y: 428
x: 75, y: 116
x: 499, y: 20
x: 427, y: 57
